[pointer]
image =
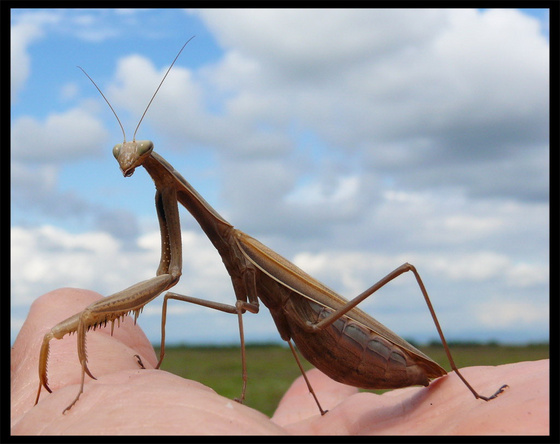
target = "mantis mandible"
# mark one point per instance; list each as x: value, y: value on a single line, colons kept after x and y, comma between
x: 333, y: 334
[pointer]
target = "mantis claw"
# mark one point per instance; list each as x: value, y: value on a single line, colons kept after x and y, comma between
x: 140, y: 363
x: 495, y: 395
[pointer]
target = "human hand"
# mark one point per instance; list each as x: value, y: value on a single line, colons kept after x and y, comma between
x: 126, y: 399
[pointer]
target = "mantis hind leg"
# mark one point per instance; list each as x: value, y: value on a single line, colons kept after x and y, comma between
x: 329, y: 320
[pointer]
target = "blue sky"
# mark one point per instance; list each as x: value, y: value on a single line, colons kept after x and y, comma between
x: 349, y: 141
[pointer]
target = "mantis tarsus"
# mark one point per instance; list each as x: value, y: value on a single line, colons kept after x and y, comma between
x: 330, y: 332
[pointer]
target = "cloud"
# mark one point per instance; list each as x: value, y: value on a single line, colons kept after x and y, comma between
x: 104, y: 263
x: 305, y: 43
x: 66, y: 136
x: 482, y: 103
x: 508, y: 313
x: 22, y: 35
x: 184, y: 111
x: 40, y: 149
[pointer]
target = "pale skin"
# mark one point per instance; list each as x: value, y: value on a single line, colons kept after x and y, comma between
x: 126, y: 399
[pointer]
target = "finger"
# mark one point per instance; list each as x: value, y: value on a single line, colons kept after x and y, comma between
x: 125, y: 398
x: 298, y: 403
x: 114, y: 353
x: 145, y: 402
x: 446, y: 407
x: 450, y: 409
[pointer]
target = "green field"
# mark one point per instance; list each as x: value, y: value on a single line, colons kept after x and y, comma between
x: 272, y: 369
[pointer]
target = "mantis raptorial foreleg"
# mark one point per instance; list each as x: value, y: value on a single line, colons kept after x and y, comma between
x: 330, y: 332
x: 132, y: 299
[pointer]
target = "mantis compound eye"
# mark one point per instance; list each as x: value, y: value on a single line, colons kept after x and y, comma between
x: 116, y: 150
x: 144, y: 147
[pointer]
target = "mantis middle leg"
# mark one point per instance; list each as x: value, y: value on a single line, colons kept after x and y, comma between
x: 239, y: 308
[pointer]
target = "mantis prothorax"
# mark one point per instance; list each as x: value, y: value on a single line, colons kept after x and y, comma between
x: 334, y: 335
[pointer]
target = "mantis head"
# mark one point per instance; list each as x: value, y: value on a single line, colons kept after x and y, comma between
x: 132, y: 154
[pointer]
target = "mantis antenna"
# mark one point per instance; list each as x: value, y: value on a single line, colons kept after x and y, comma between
x: 151, y: 100
x: 108, y: 103
x: 160, y: 83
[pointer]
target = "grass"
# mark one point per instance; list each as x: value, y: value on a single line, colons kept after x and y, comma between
x: 272, y: 369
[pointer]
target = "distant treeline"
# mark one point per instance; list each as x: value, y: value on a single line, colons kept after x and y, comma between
x: 437, y: 343
x: 432, y: 343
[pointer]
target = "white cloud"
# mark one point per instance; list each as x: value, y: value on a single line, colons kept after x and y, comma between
x: 422, y: 96
x: 470, y: 226
x: 477, y: 266
x: 184, y: 111
x: 22, y: 35
x: 46, y: 258
x: 355, y: 271
x: 316, y: 193
x: 60, y: 137
x: 300, y: 41
x: 137, y: 79
x: 101, y: 262
x: 527, y: 274
x: 26, y: 29
x: 457, y: 55
x: 59, y: 259
x: 499, y: 314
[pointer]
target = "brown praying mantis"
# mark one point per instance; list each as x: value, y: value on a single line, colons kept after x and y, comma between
x: 333, y: 334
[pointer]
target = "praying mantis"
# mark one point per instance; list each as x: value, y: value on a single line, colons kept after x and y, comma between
x: 332, y: 333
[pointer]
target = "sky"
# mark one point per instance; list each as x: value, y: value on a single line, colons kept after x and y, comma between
x: 349, y: 141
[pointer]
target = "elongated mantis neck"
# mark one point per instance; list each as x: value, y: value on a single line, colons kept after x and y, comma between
x: 163, y: 174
